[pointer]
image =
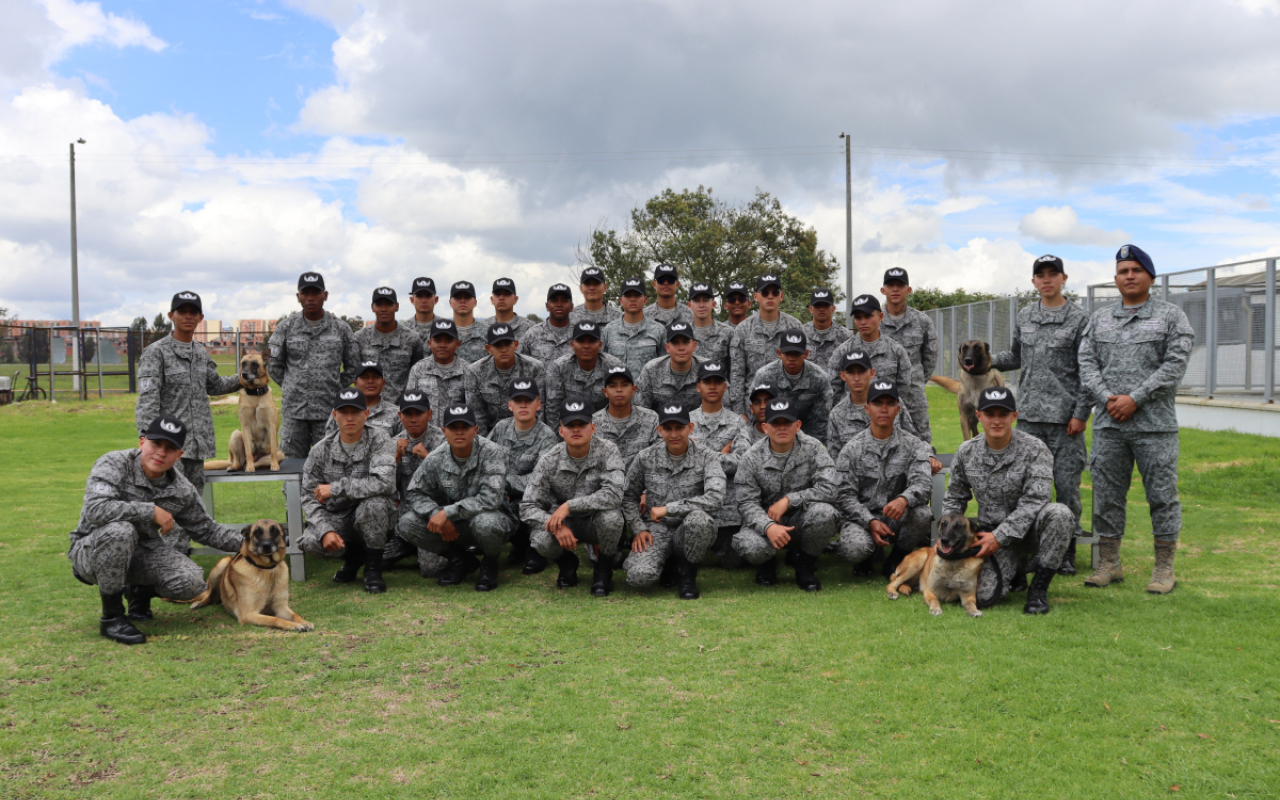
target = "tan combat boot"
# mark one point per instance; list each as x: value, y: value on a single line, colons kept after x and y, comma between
x: 1162, y: 579
x: 1109, y: 570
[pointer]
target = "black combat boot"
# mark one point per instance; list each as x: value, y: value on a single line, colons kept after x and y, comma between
x: 806, y: 569
x: 602, y: 578
x: 487, y: 579
x: 114, y: 624
x: 767, y: 573
x: 139, y: 598
x: 461, y: 564
x: 689, y: 581
x: 568, y: 563
x: 352, y: 561
x: 791, y: 554
x: 373, y: 582
x: 535, y: 563
x: 520, y: 548
x: 1018, y: 583
x: 1038, y: 593
x: 396, y: 549
x: 1068, y: 566
x: 670, y: 573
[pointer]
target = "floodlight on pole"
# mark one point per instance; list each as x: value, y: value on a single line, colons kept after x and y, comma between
x: 75, y: 276
x: 848, y: 233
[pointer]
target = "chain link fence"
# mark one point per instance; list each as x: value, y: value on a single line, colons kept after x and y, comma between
x: 991, y: 321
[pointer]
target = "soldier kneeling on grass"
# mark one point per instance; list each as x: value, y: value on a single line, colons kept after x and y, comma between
x: 348, y: 493
x: 131, y: 501
x: 1010, y: 474
x: 683, y: 485
x: 414, y: 437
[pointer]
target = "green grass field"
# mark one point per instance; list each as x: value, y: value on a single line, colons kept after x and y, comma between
x: 534, y: 692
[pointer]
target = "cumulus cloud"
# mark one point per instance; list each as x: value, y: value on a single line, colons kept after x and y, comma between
x: 1061, y: 225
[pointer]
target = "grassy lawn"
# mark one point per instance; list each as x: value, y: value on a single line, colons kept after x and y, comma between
x: 534, y: 692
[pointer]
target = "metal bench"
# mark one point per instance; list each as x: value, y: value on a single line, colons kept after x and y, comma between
x: 290, y: 475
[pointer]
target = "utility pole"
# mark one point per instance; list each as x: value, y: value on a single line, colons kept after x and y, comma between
x: 75, y: 280
x: 848, y: 234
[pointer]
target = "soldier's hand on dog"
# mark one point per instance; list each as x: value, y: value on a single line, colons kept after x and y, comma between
x: 986, y: 542
x: 331, y: 542
x: 779, y: 508
x: 657, y: 513
x: 881, y: 533
x: 164, y: 519
x: 442, y: 525
x: 779, y: 535
x: 1075, y: 427
x: 641, y: 542
x: 323, y: 492
x: 1120, y: 407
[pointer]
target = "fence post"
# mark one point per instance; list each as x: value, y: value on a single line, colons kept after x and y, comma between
x: 1211, y: 333
x: 1164, y: 288
x: 1269, y: 334
x: 954, y: 344
x: 51, y: 380
x: 97, y: 351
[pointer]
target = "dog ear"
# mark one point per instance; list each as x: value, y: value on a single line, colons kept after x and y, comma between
x: 246, y: 531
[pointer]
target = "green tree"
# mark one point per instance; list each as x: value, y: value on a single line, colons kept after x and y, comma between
x: 712, y: 241
x: 355, y: 322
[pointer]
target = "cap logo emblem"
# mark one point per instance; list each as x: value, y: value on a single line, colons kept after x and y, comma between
x: 422, y: 282
x: 187, y: 296
x: 896, y: 273
x: 883, y: 386
x: 1047, y: 258
x: 679, y: 326
x: 712, y: 367
x: 573, y: 406
x: 821, y: 294
x: 170, y: 427
x: 617, y: 369
x: 587, y: 326
x: 996, y: 394
x: 1124, y: 251
x: 523, y: 384
x: 866, y: 298
x: 368, y: 363
x: 348, y: 395
x: 413, y: 398
x: 458, y: 410
x: 502, y: 330
x: 442, y: 323
x: 384, y: 290
x: 779, y: 405
x: 504, y: 282
x: 794, y: 339
x: 311, y: 278
x: 559, y: 287
x: 770, y: 277
x: 672, y: 409
x: 764, y: 386
x: 853, y: 356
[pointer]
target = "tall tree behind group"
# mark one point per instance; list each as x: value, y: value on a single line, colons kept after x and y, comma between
x: 716, y: 242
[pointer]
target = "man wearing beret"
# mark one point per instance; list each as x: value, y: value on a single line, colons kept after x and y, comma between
x: 1132, y: 358
x: 394, y: 347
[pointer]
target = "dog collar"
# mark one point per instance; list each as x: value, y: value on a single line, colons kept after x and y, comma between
x: 260, y: 391
x: 256, y: 564
x: 970, y: 553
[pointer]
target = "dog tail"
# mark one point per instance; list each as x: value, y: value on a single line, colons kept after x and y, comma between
x: 217, y: 463
x: 950, y: 384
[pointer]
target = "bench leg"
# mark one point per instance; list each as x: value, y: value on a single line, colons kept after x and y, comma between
x: 293, y: 512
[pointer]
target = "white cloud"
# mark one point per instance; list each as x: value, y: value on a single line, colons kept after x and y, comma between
x: 1061, y: 225
x: 82, y: 23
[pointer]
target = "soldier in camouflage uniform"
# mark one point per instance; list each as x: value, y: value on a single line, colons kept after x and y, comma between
x: 489, y: 380
x: 423, y: 294
x: 666, y: 308
x: 806, y: 384
x: 633, y: 338
x: 912, y: 329
x: 1052, y: 408
x: 683, y: 486
x: 594, y: 309
x: 756, y: 339
x: 549, y: 339
x: 526, y: 440
x: 721, y: 431
x: 393, y: 346
x: 458, y: 498
x: 504, y: 299
x: 630, y: 427
x: 713, y: 335
x: 737, y: 303
x: 890, y: 360
x: 1132, y: 358
x: 823, y: 335
x: 414, y: 437
x: 132, y: 500
x: 348, y: 494
x: 786, y: 491
x: 582, y: 372
x: 574, y: 495
x: 885, y: 486
x: 384, y: 416
x: 176, y: 376
x: 443, y: 376
x: 312, y: 355
x: 673, y: 377
x: 758, y: 403
x: 849, y: 416
x: 471, y: 330
x: 1010, y: 474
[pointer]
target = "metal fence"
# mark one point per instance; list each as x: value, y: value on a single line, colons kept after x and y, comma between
x: 991, y: 321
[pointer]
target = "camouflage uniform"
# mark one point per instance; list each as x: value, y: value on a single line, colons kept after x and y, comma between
x: 713, y: 341
x: 486, y: 388
x: 873, y: 473
x: 848, y: 420
x: 636, y: 345
x: 692, y: 488
x: 118, y: 542
x: 659, y: 383
x: 308, y: 361
x: 565, y: 377
x: 176, y: 378
x: 443, y: 384
x: 1142, y: 354
x: 422, y: 329
x: 395, y: 352
x: 806, y: 475
x: 593, y: 490
x: 630, y: 435
x: 822, y: 344
x: 666, y: 316
x: 810, y: 391
x: 472, y: 495
x: 1046, y: 344
x: 604, y: 316
x: 363, y: 483
x: 385, y: 416
x: 891, y: 363
x: 546, y: 342
x: 429, y: 564
x: 473, y: 341
x: 524, y: 448
x: 1012, y: 490
x: 750, y: 349
x: 713, y: 432
x: 915, y: 332
x: 521, y: 325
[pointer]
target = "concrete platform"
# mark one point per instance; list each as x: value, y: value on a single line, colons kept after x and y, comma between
x: 1240, y: 414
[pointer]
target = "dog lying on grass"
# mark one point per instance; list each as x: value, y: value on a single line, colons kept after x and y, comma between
x: 254, y: 583
x: 945, y: 572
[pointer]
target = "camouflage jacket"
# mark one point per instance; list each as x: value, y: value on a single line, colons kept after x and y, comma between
x: 635, y: 345
x: 810, y: 391
x: 693, y: 483
x: 118, y: 491
x: 177, y: 378
x: 521, y: 325
x: 713, y: 432
x: 665, y: 316
x: 872, y: 474
x: 441, y: 383
x: 749, y: 350
x: 385, y: 416
x: 593, y: 486
x: 395, y: 352
x: 565, y: 377
x: 848, y: 420
x: 604, y: 316
x: 1046, y: 347
x: 1011, y: 489
x: 473, y: 340
x: 546, y: 342
x: 461, y: 490
x: 822, y: 344
x: 630, y: 435
x: 805, y: 475
x: 523, y: 451
x: 422, y: 329
x: 713, y: 341
x: 659, y: 383
x: 312, y: 363
x: 408, y: 464
x: 369, y: 471
x: 915, y: 332
x: 1142, y: 354
x: 486, y: 388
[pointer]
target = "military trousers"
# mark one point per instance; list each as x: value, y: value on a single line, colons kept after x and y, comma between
x: 1069, y: 456
x: 603, y: 528
x: 371, y: 520
x: 1114, y: 454
x: 686, y: 538
x: 856, y: 544
x: 488, y: 530
x: 815, y: 526
x: 1045, y: 543
x: 917, y: 402
x: 193, y: 470
x: 298, y: 436
x: 115, y: 556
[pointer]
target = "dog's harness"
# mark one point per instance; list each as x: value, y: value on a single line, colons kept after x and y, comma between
x: 259, y: 392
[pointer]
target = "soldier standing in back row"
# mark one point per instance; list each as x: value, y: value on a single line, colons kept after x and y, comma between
x: 549, y: 339
x: 313, y: 354
x: 423, y: 295
x: 713, y: 335
x: 393, y: 346
x: 737, y: 303
x: 504, y: 299
x: 666, y: 309
x: 755, y: 341
x: 1132, y: 358
x: 633, y: 338
x: 594, y: 308
x: 471, y: 331
x: 1052, y: 408
x: 825, y: 336
x: 912, y: 329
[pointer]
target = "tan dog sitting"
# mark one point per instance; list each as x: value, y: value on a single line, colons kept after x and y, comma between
x: 259, y: 422
x: 976, y: 374
x: 254, y: 583
x: 945, y: 572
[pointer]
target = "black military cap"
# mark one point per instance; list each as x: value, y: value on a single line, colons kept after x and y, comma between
x: 458, y: 413
x: 896, y: 275
x: 793, y: 341
x: 575, y: 408
x: 737, y: 287
x: 821, y: 297
x: 664, y: 271
x: 170, y: 429
x: 384, y: 294
x: 881, y: 388
x: 591, y: 275
x: 586, y: 330
x: 369, y: 366
x: 781, y: 408
x: 855, y: 358
x: 1047, y: 262
x: 767, y: 388
x: 1131, y: 252
x: 997, y: 397
x: 709, y: 370
x: 502, y: 285
x: 186, y: 299
x: 678, y: 329
x: 443, y: 327
x: 673, y: 411
x: 619, y: 371
x: 559, y: 288
x: 414, y: 398
x: 633, y: 285
x: 523, y: 387
x: 865, y: 304
x: 462, y: 289
x: 311, y: 280
x: 701, y: 290
x: 501, y: 332
x: 423, y: 286
x: 350, y: 398
x: 767, y: 280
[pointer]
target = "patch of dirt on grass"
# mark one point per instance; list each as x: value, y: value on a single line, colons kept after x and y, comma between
x: 1210, y: 466
x: 203, y: 773
x: 89, y: 778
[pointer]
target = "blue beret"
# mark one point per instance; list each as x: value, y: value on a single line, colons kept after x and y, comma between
x: 1131, y: 252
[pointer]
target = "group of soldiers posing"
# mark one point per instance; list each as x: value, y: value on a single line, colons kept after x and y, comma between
x: 653, y: 434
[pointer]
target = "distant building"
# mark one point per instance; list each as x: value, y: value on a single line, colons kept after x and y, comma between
x: 254, y: 331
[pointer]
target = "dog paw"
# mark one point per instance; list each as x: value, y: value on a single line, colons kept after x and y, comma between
x: 303, y: 627
x: 904, y: 589
x: 975, y: 613
x: 937, y: 612
x: 892, y: 595
x: 275, y: 468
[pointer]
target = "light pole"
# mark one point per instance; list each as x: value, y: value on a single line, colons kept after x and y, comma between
x: 75, y: 279
x: 848, y: 234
